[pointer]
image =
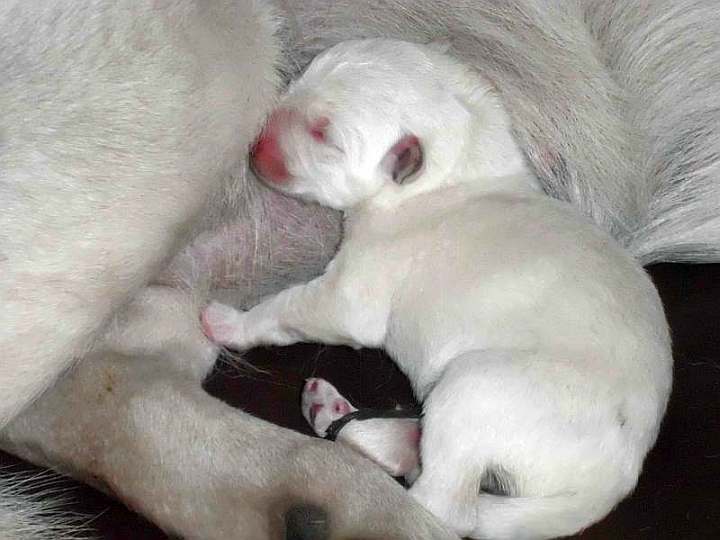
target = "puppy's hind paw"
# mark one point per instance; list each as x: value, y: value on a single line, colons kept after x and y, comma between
x: 322, y: 404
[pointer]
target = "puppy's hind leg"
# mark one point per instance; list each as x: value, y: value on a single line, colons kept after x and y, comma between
x: 390, y: 442
x: 200, y: 469
x: 322, y: 404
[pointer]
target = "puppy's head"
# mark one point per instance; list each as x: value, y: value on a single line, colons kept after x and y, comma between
x: 367, y: 117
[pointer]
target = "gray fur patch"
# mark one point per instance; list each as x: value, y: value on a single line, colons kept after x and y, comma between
x: 306, y: 522
x: 497, y: 481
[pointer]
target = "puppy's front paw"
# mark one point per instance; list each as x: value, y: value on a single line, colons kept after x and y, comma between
x: 221, y: 324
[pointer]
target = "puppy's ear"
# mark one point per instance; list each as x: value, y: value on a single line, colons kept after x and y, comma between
x: 404, y: 160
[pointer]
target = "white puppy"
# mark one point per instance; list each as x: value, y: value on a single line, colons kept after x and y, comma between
x: 538, y: 346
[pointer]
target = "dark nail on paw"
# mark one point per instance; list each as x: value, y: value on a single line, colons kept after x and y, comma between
x: 306, y: 522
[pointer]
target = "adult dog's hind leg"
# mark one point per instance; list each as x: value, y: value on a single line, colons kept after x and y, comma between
x: 147, y: 432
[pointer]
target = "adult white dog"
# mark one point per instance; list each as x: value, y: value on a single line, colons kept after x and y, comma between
x: 123, y: 132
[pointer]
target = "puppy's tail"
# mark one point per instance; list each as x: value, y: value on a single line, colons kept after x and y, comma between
x: 518, y: 518
x: 32, y: 508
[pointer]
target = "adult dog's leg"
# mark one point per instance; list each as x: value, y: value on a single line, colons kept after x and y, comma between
x: 143, y: 429
x: 119, y: 120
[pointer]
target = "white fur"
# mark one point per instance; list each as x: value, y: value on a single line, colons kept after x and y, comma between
x: 120, y: 120
x: 612, y: 101
x: 35, y: 507
x: 441, y: 107
x: 124, y: 135
x: 389, y: 442
x: 98, y: 112
x: 536, y: 343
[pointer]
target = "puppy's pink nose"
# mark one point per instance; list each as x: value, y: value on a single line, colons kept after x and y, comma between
x: 266, y: 156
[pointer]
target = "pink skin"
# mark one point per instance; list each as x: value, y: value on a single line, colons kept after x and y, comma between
x: 267, y: 157
x: 322, y: 404
x: 404, y: 158
x: 318, y: 129
x: 414, y: 437
x: 218, y: 324
x: 206, y: 326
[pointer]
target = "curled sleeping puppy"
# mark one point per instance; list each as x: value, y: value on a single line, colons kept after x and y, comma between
x: 538, y: 347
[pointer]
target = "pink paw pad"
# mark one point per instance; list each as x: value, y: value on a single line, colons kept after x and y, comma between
x: 217, y: 323
x: 322, y: 404
x: 341, y: 407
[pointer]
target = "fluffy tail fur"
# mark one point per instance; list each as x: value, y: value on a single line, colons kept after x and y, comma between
x: 613, y: 102
x: 508, y: 518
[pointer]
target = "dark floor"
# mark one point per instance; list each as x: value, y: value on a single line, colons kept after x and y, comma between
x: 678, y: 496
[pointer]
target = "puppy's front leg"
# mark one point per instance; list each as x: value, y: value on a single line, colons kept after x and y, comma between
x: 323, y: 310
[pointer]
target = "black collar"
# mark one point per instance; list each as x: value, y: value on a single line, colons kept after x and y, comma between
x: 366, y: 414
